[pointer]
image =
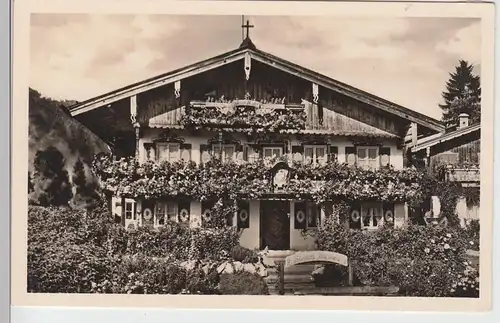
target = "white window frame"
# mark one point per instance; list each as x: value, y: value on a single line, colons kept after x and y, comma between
x: 315, y: 160
x: 366, y: 214
x: 360, y: 162
x: 222, y: 154
x: 167, y: 146
x: 272, y: 148
x: 166, y: 215
x: 130, y: 214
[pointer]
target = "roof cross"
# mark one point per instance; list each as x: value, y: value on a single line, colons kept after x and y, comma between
x: 247, y: 26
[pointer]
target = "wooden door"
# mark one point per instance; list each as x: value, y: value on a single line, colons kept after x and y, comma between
x: 275, y: 225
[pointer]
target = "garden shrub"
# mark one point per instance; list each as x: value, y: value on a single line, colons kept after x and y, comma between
x: 66, y: 250
x: 183, y: 243
x: 421, y: 260
x: 242, y: 283
x: 199, y: 282
x: 74, y: 250
x: 244, y: 255
x: 145, y: 275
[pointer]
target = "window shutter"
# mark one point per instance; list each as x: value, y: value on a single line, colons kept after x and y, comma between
x: 297, y: 153
x: 243, y: 216
x: 245, y: 153
x: 385, y: 156
x: 300, y: 216
x: 314, y: 212
x: 355, y: 216
x: 333, y: 153
x: 186, y: 152
x: 184, y: 211
x: 204, y: 153
x: 388, y: 209
x: 206, y: 214
x: 350, y: 155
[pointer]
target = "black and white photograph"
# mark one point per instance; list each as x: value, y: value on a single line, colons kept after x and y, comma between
x: 246, y: 154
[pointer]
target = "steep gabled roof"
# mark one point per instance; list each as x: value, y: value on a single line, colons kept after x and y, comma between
x: 443, y: 137
x: 248, y: 47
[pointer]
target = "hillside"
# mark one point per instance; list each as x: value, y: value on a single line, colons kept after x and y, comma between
x: 50, y: 124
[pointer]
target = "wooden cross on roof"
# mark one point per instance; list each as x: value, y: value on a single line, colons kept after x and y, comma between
x: 247, y: 26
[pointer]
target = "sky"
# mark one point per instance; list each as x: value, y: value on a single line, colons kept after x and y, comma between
x: 404, y: 60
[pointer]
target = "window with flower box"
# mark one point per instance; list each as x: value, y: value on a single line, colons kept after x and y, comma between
x: 272, y: 152
x: 225, y: 153
x: 169, y: 152
x: 368, y: 157
x: 315, y: 154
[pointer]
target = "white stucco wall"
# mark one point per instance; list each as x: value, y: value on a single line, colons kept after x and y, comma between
x: 250, y: 237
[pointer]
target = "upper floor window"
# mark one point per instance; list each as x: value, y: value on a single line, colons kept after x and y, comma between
x: 168, y: 152
x: 315, y: 154
x: 368, y: 157
x: 224, y: 152
x: 272, y: 152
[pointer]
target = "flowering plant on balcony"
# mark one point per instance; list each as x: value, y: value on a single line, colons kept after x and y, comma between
x: 260, y: 120
x: 230, y: 180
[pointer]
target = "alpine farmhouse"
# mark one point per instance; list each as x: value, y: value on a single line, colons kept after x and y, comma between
x: 261, y: 131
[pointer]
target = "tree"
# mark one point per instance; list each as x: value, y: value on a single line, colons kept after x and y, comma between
x: 462, y: 95
x: 50, y: 180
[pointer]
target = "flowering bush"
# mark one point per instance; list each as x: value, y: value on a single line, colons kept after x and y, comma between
x: 233, y: 180
x: 250, y: 119
x: 420, y: 260
x: 144, y: 275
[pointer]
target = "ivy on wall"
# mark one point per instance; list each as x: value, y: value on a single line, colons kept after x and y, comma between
x: 233, y: 180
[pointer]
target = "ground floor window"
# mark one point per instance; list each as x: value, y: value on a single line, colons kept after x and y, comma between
x: 165, y: 211
x: 372, y: 215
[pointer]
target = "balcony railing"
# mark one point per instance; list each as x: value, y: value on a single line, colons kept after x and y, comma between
x: 463, y: 175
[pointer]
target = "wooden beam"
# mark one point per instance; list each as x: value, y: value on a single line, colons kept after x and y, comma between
x: 143, y: 87
x: 414, y: 134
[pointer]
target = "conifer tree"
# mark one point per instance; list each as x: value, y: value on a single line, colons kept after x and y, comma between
x: 462, y: 95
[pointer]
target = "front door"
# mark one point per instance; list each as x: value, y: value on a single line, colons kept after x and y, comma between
x: 275, y: 225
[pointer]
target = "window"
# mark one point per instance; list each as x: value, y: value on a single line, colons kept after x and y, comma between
x: 224, y: 152
x: 313, y: 214
x: 270, y: 152
x: 129, y: 211
x: 315, y: 154
x: 165, y: 211
x: 371, y: 216
x: 368, y: 157
x: 168, y: 152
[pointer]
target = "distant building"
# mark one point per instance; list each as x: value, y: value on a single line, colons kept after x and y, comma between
x: 459, y: 148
